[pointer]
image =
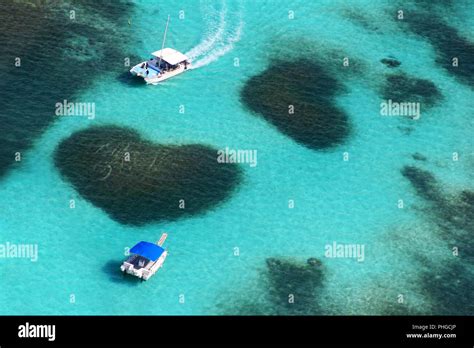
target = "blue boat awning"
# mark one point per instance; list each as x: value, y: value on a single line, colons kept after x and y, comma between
x: 149, y: 250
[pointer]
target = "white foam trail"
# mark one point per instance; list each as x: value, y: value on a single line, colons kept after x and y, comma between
x: 208, y: 43
x: 218, y: 52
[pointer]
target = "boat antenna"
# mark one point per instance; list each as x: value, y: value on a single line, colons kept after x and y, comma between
x: 164, y: 39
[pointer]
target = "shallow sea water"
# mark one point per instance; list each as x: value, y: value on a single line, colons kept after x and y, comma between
x: 354, y: 201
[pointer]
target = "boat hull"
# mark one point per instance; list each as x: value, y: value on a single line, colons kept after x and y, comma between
x: 144, y: 273
x: 156, y: 79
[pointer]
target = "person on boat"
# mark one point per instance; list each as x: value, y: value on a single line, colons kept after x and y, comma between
x: 143, y: 65
x: 147, y: 72
x: 185, y: 65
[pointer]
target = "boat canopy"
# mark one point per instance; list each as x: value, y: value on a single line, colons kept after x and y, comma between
x: 149, y: 250
x: 170, y: 56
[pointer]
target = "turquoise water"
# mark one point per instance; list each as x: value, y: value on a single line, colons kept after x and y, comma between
x: 352, y: 201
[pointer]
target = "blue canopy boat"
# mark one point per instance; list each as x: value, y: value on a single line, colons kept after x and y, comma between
x: 145, y: 259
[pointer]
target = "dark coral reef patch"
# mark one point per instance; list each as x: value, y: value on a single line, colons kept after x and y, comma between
x: 403, y: 88
x: 447, y: 42
x: 453, y: 213
x: 47, y: 57
x: 423, y: 182
x: 297, y: 97
x: 288, y: 287
x: 293, y: 286
x: 391, y: 62
x: 448, y: 285
x: 450, y: 288
x: 137, y: 182
x: 419, y: 157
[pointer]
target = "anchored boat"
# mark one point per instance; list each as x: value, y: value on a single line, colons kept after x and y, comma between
x: 164, y: 64
x: 145, y: 259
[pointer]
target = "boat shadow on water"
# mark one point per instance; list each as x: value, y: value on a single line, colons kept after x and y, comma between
x: 130, y: 80
x: 112, y: 270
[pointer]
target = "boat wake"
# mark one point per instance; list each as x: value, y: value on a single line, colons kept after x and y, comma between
x: 220, y: 38
x: 215, y: 33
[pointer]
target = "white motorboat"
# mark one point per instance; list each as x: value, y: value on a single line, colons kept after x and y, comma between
x: 164, y: 64
x: 145, y: 259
